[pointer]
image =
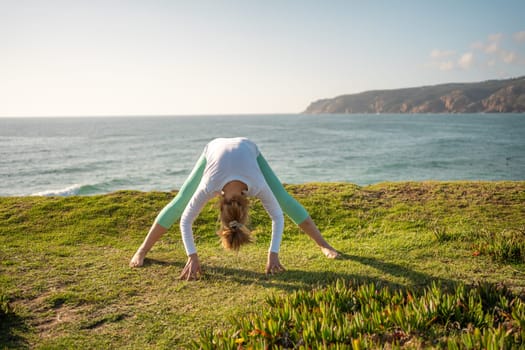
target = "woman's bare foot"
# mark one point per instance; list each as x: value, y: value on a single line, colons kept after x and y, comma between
x: 156, y: 231
x: 308, y: 226
x: 138, y: 259
x: 330, y: 252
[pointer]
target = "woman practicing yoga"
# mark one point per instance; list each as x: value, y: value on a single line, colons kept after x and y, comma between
x: 232, y: 168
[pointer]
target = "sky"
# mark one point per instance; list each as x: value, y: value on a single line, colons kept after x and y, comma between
x: 171, y: 57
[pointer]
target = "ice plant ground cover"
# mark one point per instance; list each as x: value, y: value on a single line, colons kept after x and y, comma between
x: 350, y: 315
x: 434, y: 264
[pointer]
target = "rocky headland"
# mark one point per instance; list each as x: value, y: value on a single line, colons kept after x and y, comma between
x: 492, y: 96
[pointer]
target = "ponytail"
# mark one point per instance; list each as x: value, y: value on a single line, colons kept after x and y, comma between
x: 233, y: 218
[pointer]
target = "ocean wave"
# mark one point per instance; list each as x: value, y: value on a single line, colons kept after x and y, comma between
x: 87, y: 189
x: 73, y: 190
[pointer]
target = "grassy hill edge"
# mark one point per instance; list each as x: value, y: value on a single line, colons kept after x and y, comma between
x: 65, y: 281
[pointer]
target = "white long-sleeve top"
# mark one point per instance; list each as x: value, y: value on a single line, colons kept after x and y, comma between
x: 231, y: 159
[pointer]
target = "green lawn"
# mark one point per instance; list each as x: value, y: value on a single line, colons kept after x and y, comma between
x: 65, y: 280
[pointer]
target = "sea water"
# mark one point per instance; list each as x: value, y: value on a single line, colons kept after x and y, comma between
x: 71, y: 156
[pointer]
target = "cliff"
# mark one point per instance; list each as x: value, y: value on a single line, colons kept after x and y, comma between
x: 493, y: 96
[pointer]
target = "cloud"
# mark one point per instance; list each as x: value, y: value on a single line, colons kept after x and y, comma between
x: 466, y: 60
x: 442, y: 59
x: 445, y: 60
x: 477, y: 45
x: 436, y: 53
x: 495, y: 37
x: 494, y: 51
x: 446, y: 66
x: 491, y: 46
x: 519, y: 36
x: 509, y: 57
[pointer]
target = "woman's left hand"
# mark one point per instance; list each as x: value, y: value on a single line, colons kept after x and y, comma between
x: 273, y: 265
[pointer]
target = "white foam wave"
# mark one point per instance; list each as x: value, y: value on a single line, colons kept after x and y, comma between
x: 68, y: 191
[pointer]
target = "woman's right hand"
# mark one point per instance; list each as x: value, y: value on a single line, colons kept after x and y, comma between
x: 192, y: 270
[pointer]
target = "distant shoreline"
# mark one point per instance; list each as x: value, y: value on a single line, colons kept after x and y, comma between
x: 492, y: 96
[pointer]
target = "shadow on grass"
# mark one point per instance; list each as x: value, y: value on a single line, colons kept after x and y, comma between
x: 12, y: 329
x: 294, y: 279
x: 416, y: 278
x: 149, y: 262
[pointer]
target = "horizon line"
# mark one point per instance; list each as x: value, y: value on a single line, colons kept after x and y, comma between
x: 148, y: 115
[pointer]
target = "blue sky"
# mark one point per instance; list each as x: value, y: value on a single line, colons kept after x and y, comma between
x: 160, y: 57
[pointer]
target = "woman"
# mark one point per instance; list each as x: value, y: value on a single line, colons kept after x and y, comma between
x: 232, y: 168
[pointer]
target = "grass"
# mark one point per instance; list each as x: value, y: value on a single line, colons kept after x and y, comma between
x: 65, y: 283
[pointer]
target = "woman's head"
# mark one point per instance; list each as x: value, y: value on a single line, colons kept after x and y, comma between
x: 234, y: 217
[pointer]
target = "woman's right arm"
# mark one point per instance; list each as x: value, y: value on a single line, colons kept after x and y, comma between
x: 173, y: 211
x: 192, y: 270
x: 190, y: 213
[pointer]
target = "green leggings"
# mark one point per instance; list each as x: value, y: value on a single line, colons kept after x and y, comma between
x: 173, y: 211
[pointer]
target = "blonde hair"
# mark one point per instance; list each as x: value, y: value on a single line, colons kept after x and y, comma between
x: 233, y: 218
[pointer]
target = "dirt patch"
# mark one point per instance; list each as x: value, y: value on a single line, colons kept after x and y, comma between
x: 309, y: 189
x: 50, y: 326
x: 500, y: 193
x: 48, y: 318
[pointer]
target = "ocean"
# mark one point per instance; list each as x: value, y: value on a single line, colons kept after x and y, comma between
x: 84, y: 156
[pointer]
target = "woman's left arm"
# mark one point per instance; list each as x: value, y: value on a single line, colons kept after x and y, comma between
x: 289, y: 205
